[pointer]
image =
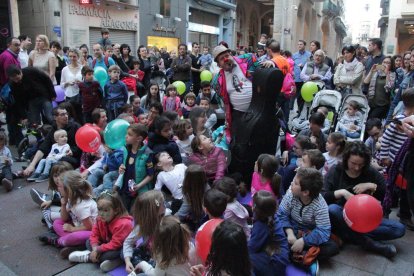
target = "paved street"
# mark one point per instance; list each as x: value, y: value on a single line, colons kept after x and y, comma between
x: 23, y: 254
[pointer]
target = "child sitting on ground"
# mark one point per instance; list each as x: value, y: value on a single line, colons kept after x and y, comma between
x: 112, y: 226
x: 313, y: 158
x: 171, y: 101
x: 268, y: 247
x: 6, y: 161
x: 50, y: 204
x: 234, y: 212
x: 59, y: 150
x: 184, y: 132
x: 335, y: 145
x: 189, y: 103
x: 210, y: 113
x: 351, y: 122
x: 265, y: 175
x: 194, y: 186
x: 173, y: 251
x: 171, y: 176
x: 326, y: 125
x: 214, y: 203
x: 210, y: 157
x: 303, y: 214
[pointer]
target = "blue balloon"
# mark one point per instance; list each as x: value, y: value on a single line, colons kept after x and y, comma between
x: 115, y: 133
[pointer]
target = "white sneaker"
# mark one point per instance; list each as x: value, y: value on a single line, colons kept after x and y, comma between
x: 79, y: 256
x: 109, y: 265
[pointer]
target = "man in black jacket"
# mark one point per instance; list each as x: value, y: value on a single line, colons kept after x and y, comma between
x: 62, y: 121
x: 33, y: 91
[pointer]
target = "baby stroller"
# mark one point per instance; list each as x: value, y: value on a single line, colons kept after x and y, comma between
x: 331, y: 99
x: 363, y: 108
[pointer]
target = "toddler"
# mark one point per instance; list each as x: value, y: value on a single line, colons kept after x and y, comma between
x: 171, y: 102
x: 205, y: 59
x: 6, y: 161
x: 234, y: 212
x: 189, y: 103
x: 351, y: 122
x: 59, y: 150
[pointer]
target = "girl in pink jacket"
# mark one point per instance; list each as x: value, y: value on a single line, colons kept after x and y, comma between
x: 208, y: 156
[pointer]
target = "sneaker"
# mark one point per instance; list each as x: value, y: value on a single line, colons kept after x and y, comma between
x: 42, y: 177
x: 33, y: 177
x: 38, y: 197
x: 49, y: 238
x: 314, y: 268
x: 109, y: 265
x: 79, y: 256
x: 66, y: 251
x: 7, y: 184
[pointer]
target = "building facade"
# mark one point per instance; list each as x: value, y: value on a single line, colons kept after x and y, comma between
x: 289, y: 21
x: 397, y: 25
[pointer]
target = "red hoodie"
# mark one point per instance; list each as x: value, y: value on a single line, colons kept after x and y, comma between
x: 111, y: 236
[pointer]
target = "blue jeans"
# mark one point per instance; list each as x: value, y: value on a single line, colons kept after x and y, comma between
x: 387, y: 230
x: 44, y: 166
x: 350, y: 134
x: 40, y: 106
x: 95, y: 178
x: 108, y: 182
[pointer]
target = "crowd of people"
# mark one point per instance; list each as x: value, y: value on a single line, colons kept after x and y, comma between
x: 141, y: 204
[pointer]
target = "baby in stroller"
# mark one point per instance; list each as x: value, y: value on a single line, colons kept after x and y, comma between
x: 350, y: 124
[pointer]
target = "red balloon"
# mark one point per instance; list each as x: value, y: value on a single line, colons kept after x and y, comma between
x: 362, y: 213
x: 88, y: 139
x: 95, y: 127
x: 203, y: 238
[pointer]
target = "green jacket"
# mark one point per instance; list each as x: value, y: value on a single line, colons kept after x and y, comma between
x: 143, y: 161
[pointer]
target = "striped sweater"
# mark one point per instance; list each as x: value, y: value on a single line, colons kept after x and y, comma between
x: 392, y: 140
x: 313, y: 218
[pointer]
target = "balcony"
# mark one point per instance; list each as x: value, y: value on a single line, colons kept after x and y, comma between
x: 330, y: 9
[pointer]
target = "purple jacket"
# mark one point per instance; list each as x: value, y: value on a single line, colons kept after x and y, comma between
x: 7, y: 58
x: 214, y: 163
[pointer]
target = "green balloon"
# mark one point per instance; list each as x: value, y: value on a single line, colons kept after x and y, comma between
x: 308, y: 90
x: 180, y: 87
x: 206, y: 76
x: 100, y: 74
x: 115, y: 133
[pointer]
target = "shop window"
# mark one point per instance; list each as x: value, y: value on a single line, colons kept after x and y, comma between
x: 165, y: 8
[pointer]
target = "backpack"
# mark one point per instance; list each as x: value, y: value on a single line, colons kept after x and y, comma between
x: 106, y: 61
x: 288, y: 86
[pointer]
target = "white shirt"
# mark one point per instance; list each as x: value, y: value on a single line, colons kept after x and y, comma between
x: 83, y: 209
x: 23, y: 58
x: 173, y: 180
x: 57, y: 152
x: 239, y: 89
x: 69, y: 76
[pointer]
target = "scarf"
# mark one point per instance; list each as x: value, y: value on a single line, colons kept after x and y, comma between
x: 350, y: 66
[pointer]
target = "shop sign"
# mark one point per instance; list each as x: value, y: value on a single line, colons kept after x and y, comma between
x: 195, y: 27
x: 158, y: 28
x: 106, y: 20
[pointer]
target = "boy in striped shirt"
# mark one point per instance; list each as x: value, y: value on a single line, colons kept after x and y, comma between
x: 303, y: 209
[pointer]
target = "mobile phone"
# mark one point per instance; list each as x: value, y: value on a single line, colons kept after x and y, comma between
x: 380, y: 67
x: 397, y: 122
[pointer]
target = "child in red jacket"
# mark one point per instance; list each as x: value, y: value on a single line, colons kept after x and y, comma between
x: 112, y: 227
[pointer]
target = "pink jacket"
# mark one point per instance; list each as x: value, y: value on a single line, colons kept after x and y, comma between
x: 214, y: 164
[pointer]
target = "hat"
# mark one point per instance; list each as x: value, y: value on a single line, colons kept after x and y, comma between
x: 219, y: 50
